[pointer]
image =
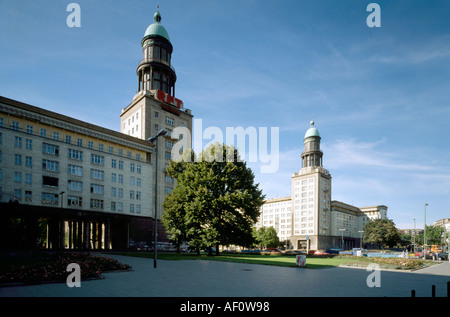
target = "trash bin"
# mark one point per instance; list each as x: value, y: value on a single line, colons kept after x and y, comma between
x: 301, y: 260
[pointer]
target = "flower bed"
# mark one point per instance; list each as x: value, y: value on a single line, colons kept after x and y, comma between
x: 53, y: 268
x: 386, y: 262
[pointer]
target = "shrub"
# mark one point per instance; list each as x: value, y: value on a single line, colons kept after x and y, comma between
x: 53, y: 268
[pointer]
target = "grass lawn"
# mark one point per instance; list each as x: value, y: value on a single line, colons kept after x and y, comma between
x: 290, y: 261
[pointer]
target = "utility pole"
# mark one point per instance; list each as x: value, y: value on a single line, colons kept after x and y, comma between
x: 155, y: 238
x: 425, y: 232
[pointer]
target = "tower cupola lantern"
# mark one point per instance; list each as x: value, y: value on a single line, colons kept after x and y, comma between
x: 312, y: 155
x: 155, y: 71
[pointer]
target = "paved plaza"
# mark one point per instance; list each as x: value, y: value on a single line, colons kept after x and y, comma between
x: 201, y: 278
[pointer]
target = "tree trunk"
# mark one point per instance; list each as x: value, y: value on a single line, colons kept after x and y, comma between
x: 217, y: 249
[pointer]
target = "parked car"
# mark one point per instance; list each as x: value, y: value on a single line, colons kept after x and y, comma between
x: 251, y: 251
x: 333, y: 250
x: 442, y: 255
x: 320, y: 252
x: 432, y: 255
x: 295, y: 252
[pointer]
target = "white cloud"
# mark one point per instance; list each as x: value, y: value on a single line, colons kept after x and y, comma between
x: 420, y: 52
x: 350, y: 152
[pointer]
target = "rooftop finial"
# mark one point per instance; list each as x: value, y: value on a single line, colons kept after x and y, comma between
x: 157, y: 16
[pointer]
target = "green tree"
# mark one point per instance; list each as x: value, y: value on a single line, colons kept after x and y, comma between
x: 266, y: 237
x: 434, y: 235
x: 259, y: 237
x: 215, y: 201
x: 173, y: 217
x: 381, y: 232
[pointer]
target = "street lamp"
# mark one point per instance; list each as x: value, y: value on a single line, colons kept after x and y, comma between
x: 414, y: 236
x: 342, y: 231
x: 425, y: 232
x: 62, y: 197
x: 62, y: 227
x: 151, y: 140
x: 360, y: 241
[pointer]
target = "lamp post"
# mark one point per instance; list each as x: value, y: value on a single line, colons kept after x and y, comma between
x: 360, y: 241
x: 342, y: 232
x: 155, y: 240
x: 414, y: 236
x: 62, y: 234
x: 425, y: 232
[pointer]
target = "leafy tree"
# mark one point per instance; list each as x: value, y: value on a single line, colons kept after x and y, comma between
x: 215, y: 201
x: 434, y: 235
x: 259, y: 237
x: 266, y: 237
x: 381, y: 232
x: 173, y: 216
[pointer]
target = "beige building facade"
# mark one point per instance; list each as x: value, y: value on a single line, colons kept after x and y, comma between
x: 91, y: 187
x: 85, y: 182
x: 309, y: 218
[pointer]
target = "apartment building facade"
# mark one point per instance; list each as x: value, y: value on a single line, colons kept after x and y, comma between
x: 91, y: 187
x: 87, y: 184
x: 309, y: 218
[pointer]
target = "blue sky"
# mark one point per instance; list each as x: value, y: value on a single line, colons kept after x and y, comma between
x: 379, y: 96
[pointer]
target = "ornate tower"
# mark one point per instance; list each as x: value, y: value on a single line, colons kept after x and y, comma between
x: 155, y: 70
x: 154, y: 107
x: 311, y: 197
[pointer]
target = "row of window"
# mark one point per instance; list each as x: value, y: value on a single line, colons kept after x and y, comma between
x: 73, y: 154
x: 73, y: 201
x: 53, y: 166
x: 310, y: 231
x: 153, y: 52
x: 74, y: 185
x: 15, y: 125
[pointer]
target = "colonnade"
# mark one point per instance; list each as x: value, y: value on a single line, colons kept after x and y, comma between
x: 79, y: 234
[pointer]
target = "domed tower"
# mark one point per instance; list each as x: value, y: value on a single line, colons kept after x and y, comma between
x: 154, y: 106
x: 311, y: 197
x: 312, y: 155
x: 155, y: 70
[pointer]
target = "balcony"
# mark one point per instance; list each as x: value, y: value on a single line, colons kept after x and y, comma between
x: 156, y: 60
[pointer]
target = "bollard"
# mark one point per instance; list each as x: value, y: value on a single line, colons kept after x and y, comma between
x: 433, y: 290
x: 413, y: 293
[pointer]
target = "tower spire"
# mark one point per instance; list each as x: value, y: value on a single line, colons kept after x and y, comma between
x: 312, y: 155
x: 155, y: 71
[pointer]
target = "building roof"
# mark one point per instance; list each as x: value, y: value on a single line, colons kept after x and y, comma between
x: 312, y: 131
x: 4, y: 101
x: 156, y: 28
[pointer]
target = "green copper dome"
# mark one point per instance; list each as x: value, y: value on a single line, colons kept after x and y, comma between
x: 312, y: 131
x: 156, y: 28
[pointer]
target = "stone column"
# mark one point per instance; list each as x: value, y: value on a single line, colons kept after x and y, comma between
x: 86, y: 234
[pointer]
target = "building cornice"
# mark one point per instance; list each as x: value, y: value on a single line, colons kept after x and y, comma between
x: 16, y: 108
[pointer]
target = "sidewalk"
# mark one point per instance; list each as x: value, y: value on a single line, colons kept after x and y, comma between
x: 200, y: 278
